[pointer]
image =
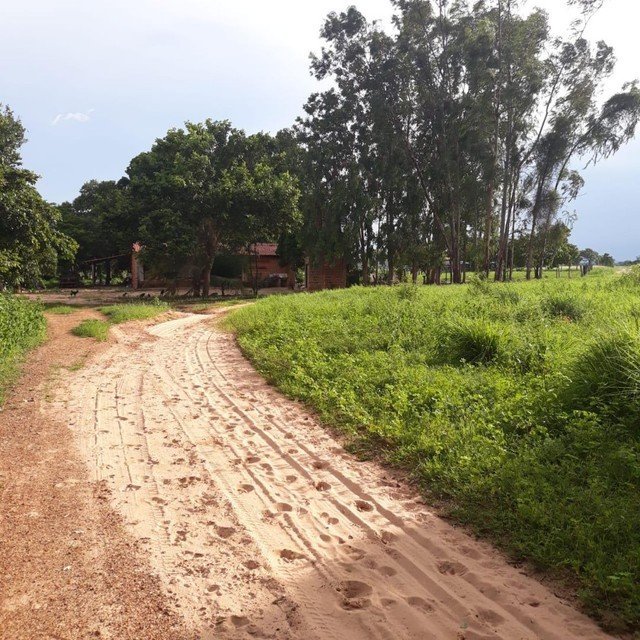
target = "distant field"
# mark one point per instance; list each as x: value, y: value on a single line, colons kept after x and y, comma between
x: 517, y: 404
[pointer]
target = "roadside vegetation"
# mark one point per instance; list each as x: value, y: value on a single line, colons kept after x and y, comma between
x: 22, y: 326
x: 517, y: 405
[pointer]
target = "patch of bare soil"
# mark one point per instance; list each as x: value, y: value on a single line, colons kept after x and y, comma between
x: 68, y: 568
x: 257, y: 521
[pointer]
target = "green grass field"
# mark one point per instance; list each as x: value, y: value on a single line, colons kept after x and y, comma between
x: 517, y: 405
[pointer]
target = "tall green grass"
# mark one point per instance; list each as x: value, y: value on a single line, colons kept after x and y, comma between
x: 22, y: 326
x: 517, y: 404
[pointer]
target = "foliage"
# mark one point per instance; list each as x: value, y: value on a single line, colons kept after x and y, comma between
x: 535, y: 444
x: 453, y: 137
x: 22, y: 326
x: 30, y: 239
x: 92, y: 328
x: 205, y: 189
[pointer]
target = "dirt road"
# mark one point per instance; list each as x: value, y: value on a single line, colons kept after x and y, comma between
x: 258, y: 523
x: 68, y: 568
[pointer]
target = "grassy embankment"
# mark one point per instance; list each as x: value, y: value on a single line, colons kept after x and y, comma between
x: 22, y: 326
x: 518, y: 405
x: 116, y: 314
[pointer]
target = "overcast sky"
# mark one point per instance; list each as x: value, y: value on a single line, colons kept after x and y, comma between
x: 95, y: 82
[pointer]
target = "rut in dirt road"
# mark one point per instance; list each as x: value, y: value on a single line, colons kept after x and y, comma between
x: 260, y: 525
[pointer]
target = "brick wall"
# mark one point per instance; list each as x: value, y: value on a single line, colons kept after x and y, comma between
x: 326, y: 275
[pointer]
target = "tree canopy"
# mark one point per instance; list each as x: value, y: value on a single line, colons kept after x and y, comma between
x: 31, y: 241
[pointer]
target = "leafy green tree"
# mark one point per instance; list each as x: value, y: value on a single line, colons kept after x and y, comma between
x: 206, y: 189
x: 30, y: 238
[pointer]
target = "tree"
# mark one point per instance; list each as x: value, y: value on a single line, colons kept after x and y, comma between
x: 30, y: 238
x: 208, y: 188
x: 607, y: 260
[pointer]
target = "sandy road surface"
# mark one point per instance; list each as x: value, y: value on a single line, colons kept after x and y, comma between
x: 257, y: 522
x: 68, y: 568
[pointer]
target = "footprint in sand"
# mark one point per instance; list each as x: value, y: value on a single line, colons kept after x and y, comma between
x: 239, y: 621
x: 490, y: 616
x: 355, y: 594
x: 246, y: 488
x: 387, y: 571
x: 451, y: 568
x: 291, y: 479
x: 323, y: 486
x: 319, y: 464
x: 289, y: 555
x: 420, y: 603
x: 283, y: 507
x: 387, y: 537
x: 253, y: 459
x: 225, y: 532
x: 362, y: 505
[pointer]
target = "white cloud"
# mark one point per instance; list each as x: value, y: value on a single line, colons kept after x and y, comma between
x: 78, y: 116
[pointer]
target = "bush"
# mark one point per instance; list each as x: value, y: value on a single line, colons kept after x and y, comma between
x: 606, y: 375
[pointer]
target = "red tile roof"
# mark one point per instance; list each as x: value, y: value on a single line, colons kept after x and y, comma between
x: 264, y: 249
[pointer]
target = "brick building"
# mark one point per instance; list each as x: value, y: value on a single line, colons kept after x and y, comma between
x: 325, y: 275
x: 265, y: 263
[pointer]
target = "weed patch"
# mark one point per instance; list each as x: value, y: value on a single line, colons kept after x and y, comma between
x: 98, y: 329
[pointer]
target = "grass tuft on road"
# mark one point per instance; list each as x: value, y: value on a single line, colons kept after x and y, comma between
x: 516, y: 404
x: 119, y: 313
x: 60, y: 309
x: 92, y: 328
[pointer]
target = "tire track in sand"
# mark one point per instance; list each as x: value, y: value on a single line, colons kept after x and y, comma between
x: 258, y: 522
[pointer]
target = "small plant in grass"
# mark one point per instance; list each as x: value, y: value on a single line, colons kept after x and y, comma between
x: 98, y: 329
x: 606, y: 375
